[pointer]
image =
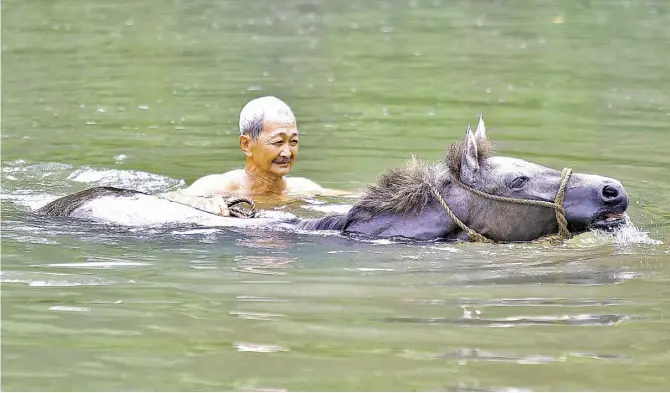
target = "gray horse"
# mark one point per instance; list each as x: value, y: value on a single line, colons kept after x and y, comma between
x: 414, y: 201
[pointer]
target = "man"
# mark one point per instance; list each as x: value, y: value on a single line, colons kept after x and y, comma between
x: 269, y: 138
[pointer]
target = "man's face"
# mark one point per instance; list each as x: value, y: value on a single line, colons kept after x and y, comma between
x: 276, y: 149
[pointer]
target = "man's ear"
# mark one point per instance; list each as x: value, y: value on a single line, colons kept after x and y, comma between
x: 245, y: 144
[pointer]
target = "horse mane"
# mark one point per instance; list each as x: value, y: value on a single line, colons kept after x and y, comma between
x: 408, y: 188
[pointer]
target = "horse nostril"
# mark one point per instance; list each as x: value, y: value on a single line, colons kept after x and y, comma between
x: 610, y: 192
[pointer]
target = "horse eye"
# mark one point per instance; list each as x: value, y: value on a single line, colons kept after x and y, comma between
x: 518, y: 182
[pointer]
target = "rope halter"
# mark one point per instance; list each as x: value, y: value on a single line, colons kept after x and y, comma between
x: 239, y: 211
x: 557, y: 205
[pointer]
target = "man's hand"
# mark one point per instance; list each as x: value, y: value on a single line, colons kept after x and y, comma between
x: 215, y: 204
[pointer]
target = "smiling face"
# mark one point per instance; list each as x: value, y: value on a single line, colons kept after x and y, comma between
x: 268, y: 137
x: 275, y: 150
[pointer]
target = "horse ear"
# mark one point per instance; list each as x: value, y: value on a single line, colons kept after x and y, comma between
x: 470, y: 158
x: 480, y: 134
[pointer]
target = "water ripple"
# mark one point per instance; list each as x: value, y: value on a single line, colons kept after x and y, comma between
x: 576, y: 320
x: 521, y: 302
x: 541, y: 278
x: 95, y: 265
x: 44, y: 279
x: 257, y: 316
x: 260, y: 348
x: 464, y: 355
x: 69, y: 308
x: 133, y: 179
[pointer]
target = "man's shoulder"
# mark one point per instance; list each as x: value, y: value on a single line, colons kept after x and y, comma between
x: 302, y: 184
x: 217, y: 183
x: 217, y: 177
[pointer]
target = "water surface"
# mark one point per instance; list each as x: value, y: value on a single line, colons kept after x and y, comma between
x: 146, y: 95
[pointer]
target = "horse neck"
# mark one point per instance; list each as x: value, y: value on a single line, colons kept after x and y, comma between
x: 457, y: 199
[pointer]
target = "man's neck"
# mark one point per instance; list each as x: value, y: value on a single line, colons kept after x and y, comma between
x: 263, y: 183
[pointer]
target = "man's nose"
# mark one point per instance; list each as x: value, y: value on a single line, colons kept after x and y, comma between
x: 285, y: 152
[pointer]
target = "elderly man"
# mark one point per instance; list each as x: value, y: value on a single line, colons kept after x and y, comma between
x: 269, y: 139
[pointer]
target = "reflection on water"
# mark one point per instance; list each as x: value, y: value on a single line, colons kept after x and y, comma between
x: 263, y: 264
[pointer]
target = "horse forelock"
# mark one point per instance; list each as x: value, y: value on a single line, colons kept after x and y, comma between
x: 454, y: 155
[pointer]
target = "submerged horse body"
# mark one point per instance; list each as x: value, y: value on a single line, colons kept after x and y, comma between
x: 497, y: 198
x: 135, y: 208
x: 472, y: 194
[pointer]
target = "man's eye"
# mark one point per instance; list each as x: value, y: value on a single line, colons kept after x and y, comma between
x: 294, y: 142
x: 278, y: 143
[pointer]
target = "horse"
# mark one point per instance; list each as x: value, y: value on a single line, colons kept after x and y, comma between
x: 475, y: 195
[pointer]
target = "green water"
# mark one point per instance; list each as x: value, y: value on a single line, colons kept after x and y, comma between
x: 92, y: 91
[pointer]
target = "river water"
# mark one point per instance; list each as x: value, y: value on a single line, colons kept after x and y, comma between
x: 146, y: 95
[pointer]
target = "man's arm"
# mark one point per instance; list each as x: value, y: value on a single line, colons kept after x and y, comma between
x: 206, y: 193
x: 215, y: 204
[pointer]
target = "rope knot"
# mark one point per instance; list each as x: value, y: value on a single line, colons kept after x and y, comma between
x: 239, y: 211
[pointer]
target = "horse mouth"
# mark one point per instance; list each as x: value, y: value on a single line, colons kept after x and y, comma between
x: 608, y: 221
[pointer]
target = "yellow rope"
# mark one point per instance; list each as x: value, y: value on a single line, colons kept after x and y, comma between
x: 557, y: 205
x: 473, y: 235
x: 238, y: 211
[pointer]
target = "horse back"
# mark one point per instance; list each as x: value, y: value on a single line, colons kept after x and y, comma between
x: 63, y: 207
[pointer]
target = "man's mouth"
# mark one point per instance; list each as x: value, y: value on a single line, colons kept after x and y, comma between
x: 608, y: 221
x: 282, y: 162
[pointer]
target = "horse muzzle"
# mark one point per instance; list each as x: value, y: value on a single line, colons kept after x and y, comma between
x: 595, y: 202
x: 614, y: 201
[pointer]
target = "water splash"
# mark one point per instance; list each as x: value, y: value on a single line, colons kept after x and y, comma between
x: 328, y: 208
x: 627, y: 234
x: 34, y: 185
x: 136, y: 180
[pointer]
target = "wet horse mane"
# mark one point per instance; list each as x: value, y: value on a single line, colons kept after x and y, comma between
x: 406, y: 189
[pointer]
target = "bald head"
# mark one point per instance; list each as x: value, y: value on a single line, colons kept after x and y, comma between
x: 257, y: 112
